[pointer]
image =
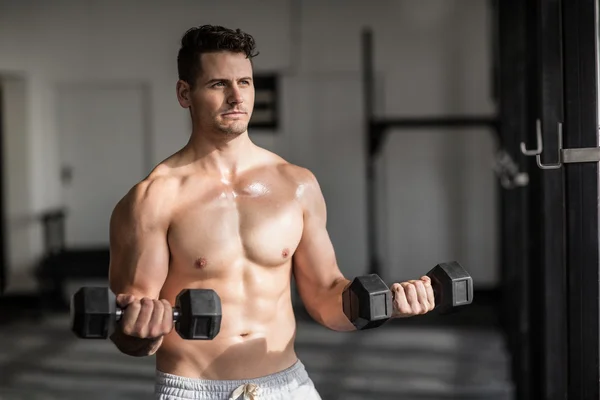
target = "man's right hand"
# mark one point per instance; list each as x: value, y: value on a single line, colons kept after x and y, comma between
x: 145, y: 318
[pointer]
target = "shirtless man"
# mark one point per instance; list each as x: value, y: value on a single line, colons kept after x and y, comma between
x: 225, y: 214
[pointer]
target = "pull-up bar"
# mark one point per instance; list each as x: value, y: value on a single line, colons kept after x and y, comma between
x: 376, y: 130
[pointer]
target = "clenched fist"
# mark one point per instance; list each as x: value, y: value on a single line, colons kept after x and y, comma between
x: 414, y: 297
x: 145, y: 318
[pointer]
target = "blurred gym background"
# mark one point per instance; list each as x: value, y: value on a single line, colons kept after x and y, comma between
x: 410, y: 114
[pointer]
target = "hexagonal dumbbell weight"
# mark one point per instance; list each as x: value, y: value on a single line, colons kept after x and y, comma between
x: 452, y: 286
x: 367, y: 301
x: 94, y: 313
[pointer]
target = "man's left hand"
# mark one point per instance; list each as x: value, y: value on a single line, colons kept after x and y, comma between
x: 414, y: 297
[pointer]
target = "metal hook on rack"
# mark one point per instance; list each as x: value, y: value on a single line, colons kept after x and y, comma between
x: 565, y: 156
x: 538, y: 149
x: 537, y: 152
x: 538, y: 157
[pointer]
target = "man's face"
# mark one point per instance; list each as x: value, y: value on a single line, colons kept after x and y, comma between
x: 222, y: 99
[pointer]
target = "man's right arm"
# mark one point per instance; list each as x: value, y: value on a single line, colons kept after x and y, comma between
x: 139, y: 263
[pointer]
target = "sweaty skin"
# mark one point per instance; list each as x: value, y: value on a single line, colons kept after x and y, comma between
x: 236, y: 236
x: 225, y: 214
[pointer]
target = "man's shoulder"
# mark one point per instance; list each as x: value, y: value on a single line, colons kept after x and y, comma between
x: 302, y: 180
x: 295, y: 174
x: 305, y: 186
x: 152, y: 196
x: 159, y: 184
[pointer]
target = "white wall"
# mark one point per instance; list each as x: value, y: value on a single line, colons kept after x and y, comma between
x: 431, y: 58
x: 21, y: 231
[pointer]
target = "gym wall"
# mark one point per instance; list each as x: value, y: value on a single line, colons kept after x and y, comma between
x: 17, y: 170
x: 432, y: 58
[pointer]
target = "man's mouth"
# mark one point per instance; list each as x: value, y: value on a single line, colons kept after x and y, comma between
x: 234, y: 113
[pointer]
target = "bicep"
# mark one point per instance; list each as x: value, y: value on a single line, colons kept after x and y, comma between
x: 315, y: 265
x: 139, y: 254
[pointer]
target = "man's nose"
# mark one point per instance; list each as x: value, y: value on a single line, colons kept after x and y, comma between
x: 235, y: 96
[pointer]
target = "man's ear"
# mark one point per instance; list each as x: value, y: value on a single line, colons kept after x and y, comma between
x: 184, y: 94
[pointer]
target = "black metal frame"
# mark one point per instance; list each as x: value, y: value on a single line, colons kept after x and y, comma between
x: 552, y: 76
x: 376, y: 130
x: 535, y: 288
x: 511, y: 66
x: 548, y: 293
x: 583, y: 249
x: 372, y: 141
x: 3, y: 264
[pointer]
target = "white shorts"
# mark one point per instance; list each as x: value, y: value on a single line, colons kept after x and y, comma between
x: 289, y: 384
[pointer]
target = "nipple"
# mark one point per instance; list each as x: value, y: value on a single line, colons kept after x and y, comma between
x: 200, y: 262
x: 285, y: 253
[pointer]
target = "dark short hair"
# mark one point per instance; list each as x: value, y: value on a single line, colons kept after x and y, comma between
x: 208, y: 39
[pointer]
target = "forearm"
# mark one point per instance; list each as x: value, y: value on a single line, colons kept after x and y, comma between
x: 133, y: 346
x: 328, y: 309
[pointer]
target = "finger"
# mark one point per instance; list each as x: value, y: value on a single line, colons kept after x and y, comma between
x: 156, y: 318
x: 424, y: 280
x: 167, y: 321
x: 431, y: 297
x: 400, y: 302
x: 141, y: 324
x: 412, y: 297
x: 421, y: 292
x: 422, y: 296
x: 429, y: 289
x: 130, y: 316
x: 123, y: 300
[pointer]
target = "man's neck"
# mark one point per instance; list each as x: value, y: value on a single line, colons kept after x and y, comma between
x: 220, y: 154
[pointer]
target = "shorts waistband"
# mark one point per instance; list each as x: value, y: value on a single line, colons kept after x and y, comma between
x: 191, y: 388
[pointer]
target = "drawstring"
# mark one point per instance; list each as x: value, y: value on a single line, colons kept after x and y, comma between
x: 248, y: 390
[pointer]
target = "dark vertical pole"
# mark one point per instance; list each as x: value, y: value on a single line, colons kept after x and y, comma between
x: 371, y: 138
x: 549, y: 285
x: 511, y: 67
x: 536, y: 287
x: 3, y: 267
x: 581, y: 130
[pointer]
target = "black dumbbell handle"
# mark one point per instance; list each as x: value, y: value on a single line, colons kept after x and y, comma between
x: 119, y: 313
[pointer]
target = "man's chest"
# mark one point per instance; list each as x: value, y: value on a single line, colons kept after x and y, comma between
x: 260, y: 222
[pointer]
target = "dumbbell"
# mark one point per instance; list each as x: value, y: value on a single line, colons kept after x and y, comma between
x: 94, y: 313
x: 367, y: 301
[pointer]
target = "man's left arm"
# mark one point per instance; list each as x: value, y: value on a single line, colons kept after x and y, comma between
x: 319, y: 280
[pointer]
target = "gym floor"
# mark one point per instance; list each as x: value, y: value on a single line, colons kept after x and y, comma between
x: 41, y: 359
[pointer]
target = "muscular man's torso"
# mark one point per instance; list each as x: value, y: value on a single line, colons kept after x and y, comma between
x: 236, y: 237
